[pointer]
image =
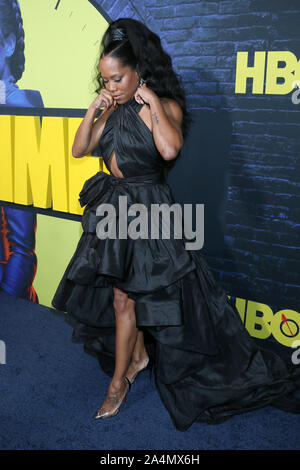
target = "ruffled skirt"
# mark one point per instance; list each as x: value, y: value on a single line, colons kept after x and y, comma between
x: 207, y: 366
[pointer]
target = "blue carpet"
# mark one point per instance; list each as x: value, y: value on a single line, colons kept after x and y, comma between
x: 50, y: 388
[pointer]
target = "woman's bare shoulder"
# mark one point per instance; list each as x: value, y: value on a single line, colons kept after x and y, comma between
x: 170, y: 103
x: 172, y: 108
x: 167, y: 100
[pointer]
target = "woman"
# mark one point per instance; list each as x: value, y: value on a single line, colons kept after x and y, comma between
x: 18, y: 261
x: 121, y: 289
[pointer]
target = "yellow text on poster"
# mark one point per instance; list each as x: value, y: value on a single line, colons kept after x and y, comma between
x: 38, y: 165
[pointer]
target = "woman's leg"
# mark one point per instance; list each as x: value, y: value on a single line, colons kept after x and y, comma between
x: 126, y: 336
x: 139, y: 359
x: 139, y: 352
x: 129, y: 340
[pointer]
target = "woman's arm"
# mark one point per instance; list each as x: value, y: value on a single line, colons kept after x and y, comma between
x: 166, y: 127
x: 166, y: 116
x: 89, y: 132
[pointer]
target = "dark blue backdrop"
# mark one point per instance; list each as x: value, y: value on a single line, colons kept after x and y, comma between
x: 241, y: 157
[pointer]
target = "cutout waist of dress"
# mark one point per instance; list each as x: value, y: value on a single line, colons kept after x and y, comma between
x: 99, y: 183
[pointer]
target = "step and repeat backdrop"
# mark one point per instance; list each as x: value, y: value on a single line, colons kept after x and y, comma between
x: 239, y: 63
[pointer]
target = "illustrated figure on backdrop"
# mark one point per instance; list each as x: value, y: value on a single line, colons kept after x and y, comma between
x: 18, y: 260
x: 149, y: 302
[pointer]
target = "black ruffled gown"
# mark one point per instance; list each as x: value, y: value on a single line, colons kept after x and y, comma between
x: 207, y: 366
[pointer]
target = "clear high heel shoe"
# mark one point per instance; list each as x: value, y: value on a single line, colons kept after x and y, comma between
x: 115, y: 400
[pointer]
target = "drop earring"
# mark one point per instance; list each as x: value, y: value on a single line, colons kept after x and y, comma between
x: 142, y: 81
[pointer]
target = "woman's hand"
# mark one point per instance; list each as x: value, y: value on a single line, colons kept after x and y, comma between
x: 144, y: 95
x: 103, y: 100
x: 89, y: 131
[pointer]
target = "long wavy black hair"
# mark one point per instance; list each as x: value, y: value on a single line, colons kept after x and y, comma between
x: 11, y: 22
x: 142, y: 51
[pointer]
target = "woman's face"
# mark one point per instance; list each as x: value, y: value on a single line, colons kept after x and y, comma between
x: 7, y: 48
x: 120, y: 81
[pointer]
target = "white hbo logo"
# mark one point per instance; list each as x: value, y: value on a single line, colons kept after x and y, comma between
x: 296, y: 354
x: 2, y: 352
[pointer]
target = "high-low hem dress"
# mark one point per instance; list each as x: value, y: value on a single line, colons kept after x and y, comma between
x: 207, y: 367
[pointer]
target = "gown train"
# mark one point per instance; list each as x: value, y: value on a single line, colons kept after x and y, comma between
x: 207, y: 366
